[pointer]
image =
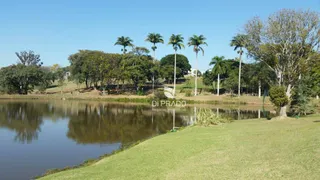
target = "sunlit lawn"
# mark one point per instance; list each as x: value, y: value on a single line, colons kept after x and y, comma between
x: 251, y: 149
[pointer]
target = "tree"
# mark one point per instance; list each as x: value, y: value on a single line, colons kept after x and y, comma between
x: 48, y: 78
x: 197, y: 42
x: 258, y: 76
x: 285, y: 42
x: 140, y: 51
x: 278, y: 97
x: 29, y: 58
x: 167, y: 66
x: 124, y: 42
x: 177, y: 43
x: 231, y: 82
x: 301, y: 97
x: 239, y: 42
x: 154, y: 38
x: 207, y: 78
x: 219, y: 68
x: 137, y: 69
x: 315, y: 75
x: 93, y: 67
x: 20, y: 79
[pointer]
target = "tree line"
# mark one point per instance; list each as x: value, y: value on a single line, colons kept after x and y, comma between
x: 285, y: 48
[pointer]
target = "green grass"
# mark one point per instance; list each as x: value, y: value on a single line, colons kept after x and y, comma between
x: 252, y: 149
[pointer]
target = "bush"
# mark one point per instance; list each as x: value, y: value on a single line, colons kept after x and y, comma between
x: 140, y: 92
x: 188, y: 93
x: 301, y: 98
x: 159, y: 94
x: 206, y: 117
x: 278, y: 96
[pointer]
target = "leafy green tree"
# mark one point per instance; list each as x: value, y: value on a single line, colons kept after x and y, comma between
x: 286, y: 43
x: 77, y: 67
x: 20, y: 79
x: 239, y: 42
x: 219, y: 68
x: 61, y: 77
x: 278, y: 97
x: 197, y: 42
x: 231, y: 82
x: 315, y: 75
x: 301, y: 97
x: 48, y: 79
x: 167, y: 66
x: 93, y: 67
x: 207, y: 78
x: 258, y: 76
x: 137, y: 69
x: 124, y: 42
x: 177, y: 43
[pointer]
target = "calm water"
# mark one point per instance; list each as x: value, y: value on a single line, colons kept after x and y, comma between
x: 39, y: 135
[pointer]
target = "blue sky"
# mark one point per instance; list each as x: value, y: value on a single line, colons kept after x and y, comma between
x: 56, y: 29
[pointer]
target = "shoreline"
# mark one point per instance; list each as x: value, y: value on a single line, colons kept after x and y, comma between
x: 209, y: 99
x: 151, y: 143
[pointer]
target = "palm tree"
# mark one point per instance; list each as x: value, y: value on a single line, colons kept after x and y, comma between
x: 219, y: 68
x: 154, y: 38
x: 239, y: 41
x: 177, y: 43
x: 125, y: 42
x: 196, y: 42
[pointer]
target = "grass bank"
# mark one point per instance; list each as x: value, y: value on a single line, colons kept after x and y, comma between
x: 252, y: 149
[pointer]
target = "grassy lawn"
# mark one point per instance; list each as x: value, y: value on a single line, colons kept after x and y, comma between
x: 251, y: 149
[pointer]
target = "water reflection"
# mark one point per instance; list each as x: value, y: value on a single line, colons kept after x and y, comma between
x: 89, y: 123
x: 23, y: 118
x: 81, y: 130
x: 110, y: 124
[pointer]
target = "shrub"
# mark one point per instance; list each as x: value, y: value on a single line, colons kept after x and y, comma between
x: 278, y: 96
x: 301, y: 99
x: 159, y: 94
x: 140, y: 92
x: 188, y: 93
x: 206, y: 117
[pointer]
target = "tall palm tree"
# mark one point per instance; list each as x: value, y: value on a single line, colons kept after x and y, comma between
x: 239, y: 42
x: 125, y: 42
x: 197, y: 42
x: 177, y: 43
x: 154, y: 38
x: 219, y: 68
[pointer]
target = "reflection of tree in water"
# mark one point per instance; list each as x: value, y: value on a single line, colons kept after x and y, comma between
x: 23, y: 118
x: 90, y: 122
x: 116, y: 123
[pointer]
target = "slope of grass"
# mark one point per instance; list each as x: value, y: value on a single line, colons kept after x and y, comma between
x: 253, y: 149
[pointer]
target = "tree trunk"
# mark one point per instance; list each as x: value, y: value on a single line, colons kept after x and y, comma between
x: 218, y: 89
x: 87, y: 85
x: 239, y: 85
x: 173, y: 119
x: 259, y: 89
x: 175, y: 74
x: 196, y: 77
x: 283, y: 110
x: 154, y: 57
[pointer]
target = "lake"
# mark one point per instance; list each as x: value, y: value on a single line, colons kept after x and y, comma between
x: 38, y: 135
